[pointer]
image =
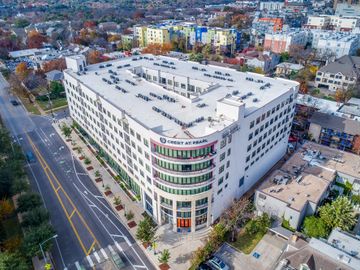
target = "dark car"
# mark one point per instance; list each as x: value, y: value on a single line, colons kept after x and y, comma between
x: 204, y: 266
x: 14, y: 102
x: 30, y: 157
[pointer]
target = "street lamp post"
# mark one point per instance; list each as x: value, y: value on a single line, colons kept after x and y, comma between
x: 42, y: 251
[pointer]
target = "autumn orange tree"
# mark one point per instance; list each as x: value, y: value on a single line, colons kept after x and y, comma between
x: 58, y: 64
x: 157, y: 49
x: 22, y: 71
x: 35, y: 39
x: 96, y: 57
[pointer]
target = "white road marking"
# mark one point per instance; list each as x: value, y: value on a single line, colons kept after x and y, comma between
x: 112, y: 251
x: 90, y: 261
x: 116, y: 235
x: 118, y: 246
x: 128, y: 241
x: 77, y: 266
x: 104, y: 253
x: 97, y: 256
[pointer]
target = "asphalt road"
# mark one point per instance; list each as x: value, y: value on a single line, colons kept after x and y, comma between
x: 89, y: 232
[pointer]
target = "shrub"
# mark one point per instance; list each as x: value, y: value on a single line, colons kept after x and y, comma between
x: 165, y: 256
x: 129, y: 215
x: 117, y: 200
x: 87, y: 161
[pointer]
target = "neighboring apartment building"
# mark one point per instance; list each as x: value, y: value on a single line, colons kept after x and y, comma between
x: 280, y: 42
x: 331, y: 45
x: 347, y: 10
x: 184, y: 137
x: 297, y: 189
x: 335, y: 131
x: 271, y: 5
x: 328, y: 22
x: 341, y: 74
x: 218, y: 37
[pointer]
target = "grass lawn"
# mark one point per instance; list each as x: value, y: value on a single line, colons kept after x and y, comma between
x: 247, y: 242
x: 56, y: 103
x: 29, y: 106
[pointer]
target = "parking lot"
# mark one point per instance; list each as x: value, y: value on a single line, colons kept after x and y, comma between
x: 267, y: 251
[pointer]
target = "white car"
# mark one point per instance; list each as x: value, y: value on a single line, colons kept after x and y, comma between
x: 218, y: 264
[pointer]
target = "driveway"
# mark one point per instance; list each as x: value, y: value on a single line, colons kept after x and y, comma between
x: 269, y: 248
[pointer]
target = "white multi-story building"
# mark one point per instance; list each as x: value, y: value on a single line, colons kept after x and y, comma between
x: 333, y: 45
x: 333, y: 22
x: 186, y: 138
x: 271, y: 5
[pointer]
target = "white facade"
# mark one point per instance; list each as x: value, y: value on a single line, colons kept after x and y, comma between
x: 333, y: 45
x: 271, y: 5
x: 333, y: 22
x: 186, y: 149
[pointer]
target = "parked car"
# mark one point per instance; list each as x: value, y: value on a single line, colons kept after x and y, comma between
x: 217, y: 264
x: 203, y: 266
x: 14, y: 102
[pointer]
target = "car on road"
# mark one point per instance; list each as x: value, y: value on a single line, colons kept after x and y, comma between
x: 14, y: 102
x: 117, y: 260
x: 203, y: 266
x: 217, y: 264
x: 30, y: 156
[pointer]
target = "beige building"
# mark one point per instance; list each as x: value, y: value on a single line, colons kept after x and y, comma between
x: 341, y: 74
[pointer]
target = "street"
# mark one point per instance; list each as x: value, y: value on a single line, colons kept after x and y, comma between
x: 88, y: 230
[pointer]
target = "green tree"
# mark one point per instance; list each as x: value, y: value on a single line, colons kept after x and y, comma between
x: 35, y: 217
x: 12, y: 261
x: 145, y: 232
x: 284, y: 56
x: 66, y: 131
x: 21, y: 23
x: 315, y: 227
x: 164, y: 256
x: 34, y: 237
x: 196, y: 57
x: 339, y: 213
x: 19, y: 185
x: 28, y: 201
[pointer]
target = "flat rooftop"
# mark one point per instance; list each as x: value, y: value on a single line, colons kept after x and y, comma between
x: 308, y: 173
x: 118, y: 82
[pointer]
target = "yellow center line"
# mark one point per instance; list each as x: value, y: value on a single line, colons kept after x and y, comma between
x: 46, y: 169
x: 72, y: 213
x: 91, y: 247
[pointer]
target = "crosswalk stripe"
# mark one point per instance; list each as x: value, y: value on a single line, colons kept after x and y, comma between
x: 97, y: 256
x: 128, y: 241
x: 77, y: 266
x: 118, y: 246
x: 91, y: 263
x: 112, y: 251
x: 104, y: 253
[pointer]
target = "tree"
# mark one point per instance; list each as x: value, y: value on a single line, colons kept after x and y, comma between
x: 28, y: 201
x: 35, y: 39
x: 34, y: 237
x: 21, y: 23
x: 56, y: 64
x: 342, y: 94
x: 35, y: 217
x: 6, y: 208
x: 12, y: 261
x: 196, y: 57
x: 315, y: 227
x: 22, y: 71
x: 66, y: 131
x: 157, y: 49
x: 19, y: 185
x: 356, y: 144
x: 339, y: 213
x: 165, y: 256
x: 95, y: 57
x: 236, y: 215
x: 284, y: 57
x: 145, y: 232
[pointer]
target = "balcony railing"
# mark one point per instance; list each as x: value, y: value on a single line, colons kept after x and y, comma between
x: 184, y: 186
x: 187, y: 173
x: 185, y: 160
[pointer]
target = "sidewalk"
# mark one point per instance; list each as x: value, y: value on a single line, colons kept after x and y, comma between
x: 181, y: 246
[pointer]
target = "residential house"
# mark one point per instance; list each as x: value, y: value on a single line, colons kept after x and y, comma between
x: 285, y: 69
x: 341, y: 74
